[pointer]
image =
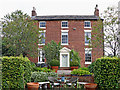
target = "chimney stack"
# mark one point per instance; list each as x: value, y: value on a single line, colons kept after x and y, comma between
x: 96, y: 12
x: 34, y: 12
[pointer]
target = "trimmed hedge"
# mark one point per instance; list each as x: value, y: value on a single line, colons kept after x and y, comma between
x: 16, y: 72
x: 106, y: 72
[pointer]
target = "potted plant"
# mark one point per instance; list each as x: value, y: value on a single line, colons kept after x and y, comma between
x: 74, y: 64
x: 35, y: 78
x: 54, y: 64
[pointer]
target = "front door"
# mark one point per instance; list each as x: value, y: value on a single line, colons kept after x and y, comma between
x: 64, y: 60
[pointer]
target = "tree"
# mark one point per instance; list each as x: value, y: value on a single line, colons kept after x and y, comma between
x: 110, y: 33
x: 20, y: 35
x: 52, y: 51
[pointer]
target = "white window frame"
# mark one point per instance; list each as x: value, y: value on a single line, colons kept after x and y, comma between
x: 86, y: 50
x: 85, y: 36
x: 64, y: 31
x: 87, y: 21
x: 42, y: 27
x: 42, y: 31
x: 41, y: 57
x: 64, y: 21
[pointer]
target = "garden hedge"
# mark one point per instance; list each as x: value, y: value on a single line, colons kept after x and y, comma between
x: 106, y: 72
x: 16, y: 72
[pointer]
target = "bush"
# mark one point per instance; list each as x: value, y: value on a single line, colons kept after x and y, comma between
x: 16, y: 72
x: 80, y: 72
x: 74, y: 63
x: 42, y: 76
x: 39, y: 76
x: 91, y: 67
x: 106, y: 72
x: 84, y: 68
x: 75, y: 56
x: 44, y: 69
x: 55, y: 62
x: 52, y: 51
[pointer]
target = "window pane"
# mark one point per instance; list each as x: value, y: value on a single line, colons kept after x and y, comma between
x: 64, y: 24
x: 87, y: 37
x: 42, y: 24
x: 64, y: 38
x: 41, y: 56
x: 87, y: 24
x: 88, y: 56
x: 42, y: 38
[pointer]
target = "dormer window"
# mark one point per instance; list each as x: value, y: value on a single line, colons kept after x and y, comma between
x: 42, y: 24
x: 87, y: 24
x: 64, y: 24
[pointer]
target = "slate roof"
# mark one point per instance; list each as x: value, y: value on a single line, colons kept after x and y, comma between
x: 66, y: 17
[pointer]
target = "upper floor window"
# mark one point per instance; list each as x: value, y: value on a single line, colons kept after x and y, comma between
x: 64, y: 24
x: 87, y: 24
x: 42, y: 24
x: 64, y: 37
x: 87, y: 37
x: 42, y: 37
x: 88, y: 55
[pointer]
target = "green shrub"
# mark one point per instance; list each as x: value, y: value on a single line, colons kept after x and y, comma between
x: 75, y: 56
x: 52, y: 74
x: 80, y: 72
x: 91, y: 67
x: 84, y: 68
x: 74, y: 63
x: 106, y: 72
x: 42, y: 76
x: 55, y: 62
x: 16, y: 72
x: 44, y: 69
x: 39, y: 76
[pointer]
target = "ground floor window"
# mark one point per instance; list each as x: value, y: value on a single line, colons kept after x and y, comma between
x: 88, y: 55
x: 41, y: 56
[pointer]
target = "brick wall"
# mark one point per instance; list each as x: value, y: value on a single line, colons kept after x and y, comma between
x: 76, y: 37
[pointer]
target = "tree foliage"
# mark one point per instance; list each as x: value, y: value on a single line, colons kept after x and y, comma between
x: 74, y: 56
x: 110, y: 33
x: 52, y: 51
x: 20, y: 35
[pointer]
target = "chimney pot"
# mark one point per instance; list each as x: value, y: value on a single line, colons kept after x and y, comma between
x: 96, y: 12
x: 34, y: 12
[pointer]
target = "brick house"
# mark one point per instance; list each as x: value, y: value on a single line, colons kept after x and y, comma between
x: 71, y: 31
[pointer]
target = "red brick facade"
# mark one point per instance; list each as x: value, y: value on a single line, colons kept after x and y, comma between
x: 76, y: 38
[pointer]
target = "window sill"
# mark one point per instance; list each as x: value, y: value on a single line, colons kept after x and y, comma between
x: 88, y: 62
x: 40, y: 62
x: 87, y: 44
x: 64, y: 27
x: 64, y: 44
x: 42, y: 27
x: 41, y: 44
x: 87, y: 27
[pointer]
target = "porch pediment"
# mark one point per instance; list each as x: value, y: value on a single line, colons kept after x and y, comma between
x: 64, y: 50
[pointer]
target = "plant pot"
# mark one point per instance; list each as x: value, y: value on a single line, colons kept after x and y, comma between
x: 33, y: 86
x: 74, y: 67
x: 91, y: 86
x: 54, y: 68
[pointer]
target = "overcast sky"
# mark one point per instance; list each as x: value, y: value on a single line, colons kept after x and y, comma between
x: 55, y: 7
